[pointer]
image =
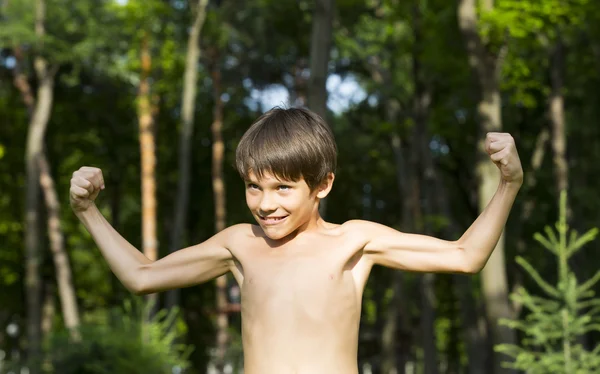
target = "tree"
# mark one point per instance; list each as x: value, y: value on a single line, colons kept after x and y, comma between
x: 556, y: 321
x: 35, y: 142
x: 64, y: 280
x: 218, y: 184
x: 485, y: 58
x: 320, y: 48
x: 146, y: 109
x: 188, y: 105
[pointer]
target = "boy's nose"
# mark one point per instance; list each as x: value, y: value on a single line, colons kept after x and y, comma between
x: 267, y: 205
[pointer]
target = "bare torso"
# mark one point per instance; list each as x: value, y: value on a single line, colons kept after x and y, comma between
x: 301, y: 302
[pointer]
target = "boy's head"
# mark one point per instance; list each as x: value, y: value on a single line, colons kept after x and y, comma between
x: 290, y: 144
x: 286, y: 145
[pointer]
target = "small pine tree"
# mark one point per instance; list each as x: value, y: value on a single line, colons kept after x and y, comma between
x: 556, y: 321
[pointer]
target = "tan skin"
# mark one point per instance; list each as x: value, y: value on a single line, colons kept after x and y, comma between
x: 301, y: 278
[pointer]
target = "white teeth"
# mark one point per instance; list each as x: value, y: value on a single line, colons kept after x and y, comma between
x: 272, y: 219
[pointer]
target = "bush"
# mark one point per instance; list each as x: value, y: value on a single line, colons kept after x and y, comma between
x: 117, y: 341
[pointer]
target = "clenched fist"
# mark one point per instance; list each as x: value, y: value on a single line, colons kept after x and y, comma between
x: 502, y: 150
x: 85, y: 186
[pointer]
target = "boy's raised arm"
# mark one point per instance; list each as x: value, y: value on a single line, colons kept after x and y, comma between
x: 471, y: 252
x: 138, y: 274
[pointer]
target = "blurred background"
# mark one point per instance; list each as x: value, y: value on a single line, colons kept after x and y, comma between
x: 157, y: 94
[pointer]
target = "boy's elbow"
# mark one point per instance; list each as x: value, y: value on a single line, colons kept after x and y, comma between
x: 471, y: 269
x: 139, y: 284
x: 467, y: 264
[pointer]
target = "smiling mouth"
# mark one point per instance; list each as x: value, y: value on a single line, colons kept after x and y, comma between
x: 272, y: 220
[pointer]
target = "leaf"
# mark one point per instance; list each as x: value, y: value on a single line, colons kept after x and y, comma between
x: 589, y: 283
x: 548, y: 244
x: 538, y: 278
x: 584, y: 239
x: 589, y: 303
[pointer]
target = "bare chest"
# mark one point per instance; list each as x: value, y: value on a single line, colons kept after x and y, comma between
x: 302, y: 282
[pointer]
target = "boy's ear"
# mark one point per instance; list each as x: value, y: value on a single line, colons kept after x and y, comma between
x: 325, y: 186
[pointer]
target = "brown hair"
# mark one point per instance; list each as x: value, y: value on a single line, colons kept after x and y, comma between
x: 289, y: 144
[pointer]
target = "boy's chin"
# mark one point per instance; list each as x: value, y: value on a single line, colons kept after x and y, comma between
x: 275, y: 233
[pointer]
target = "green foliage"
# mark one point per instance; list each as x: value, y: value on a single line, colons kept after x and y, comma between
x: 70, y: 31
x: 522, y: 18
x: 118, y: 341
x: 96, y: 44
x: 529, y: 29
x: 557, y: 321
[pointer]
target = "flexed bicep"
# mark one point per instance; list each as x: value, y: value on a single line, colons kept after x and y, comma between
x: 189, y: 266
x: 412, y: 252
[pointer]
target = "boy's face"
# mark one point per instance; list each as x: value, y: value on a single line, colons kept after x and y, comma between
x: 280, y: 207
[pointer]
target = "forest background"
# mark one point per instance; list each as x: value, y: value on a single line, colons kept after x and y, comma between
x: 157, y: 94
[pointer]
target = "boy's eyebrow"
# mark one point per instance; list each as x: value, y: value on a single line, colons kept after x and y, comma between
x: 274, y: 182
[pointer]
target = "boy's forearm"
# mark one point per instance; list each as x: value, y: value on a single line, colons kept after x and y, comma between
x: 123, y: 258
x: 481, y: 238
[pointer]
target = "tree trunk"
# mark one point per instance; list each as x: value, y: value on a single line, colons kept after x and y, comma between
x: 559, y: 141
x: 421, y: 192
x: 529, y: 183
x: 148, y: 160
x: 394, y: 359
x: 473, y: 322
x: 493, y: 276
x: 188, y: 105
x: 557, y: 118
x: 426, y: 281
x: 22, y: 83
x: 64, y: 279
x: 48, y: 308
x: 486, y: 65
x: 395, y: 356
x: 35, y: 139
x: 218, y: 184
x: 320, y: 46
x: 474, y: 325
x: 55, y: 233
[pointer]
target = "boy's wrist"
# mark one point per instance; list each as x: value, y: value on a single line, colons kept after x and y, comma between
x: 511, y: 185
x: 86, y: 214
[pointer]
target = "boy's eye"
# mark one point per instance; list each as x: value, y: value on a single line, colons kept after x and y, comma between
x: 252, y: 186
x: 284, y: 187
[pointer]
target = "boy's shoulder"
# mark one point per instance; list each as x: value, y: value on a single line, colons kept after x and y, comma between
x: 357, y: 225
x: 366, y: 229
x: 241, y: 232
x: 355, y: 228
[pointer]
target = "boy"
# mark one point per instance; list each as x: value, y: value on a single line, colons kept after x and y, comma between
x: 301, y: 278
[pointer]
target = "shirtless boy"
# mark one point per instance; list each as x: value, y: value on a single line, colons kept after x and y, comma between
x: 301, y: 278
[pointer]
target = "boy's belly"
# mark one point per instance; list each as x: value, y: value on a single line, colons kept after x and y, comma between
x: 311, y: 350
x: 307, y: 327
x: 276, y: 365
